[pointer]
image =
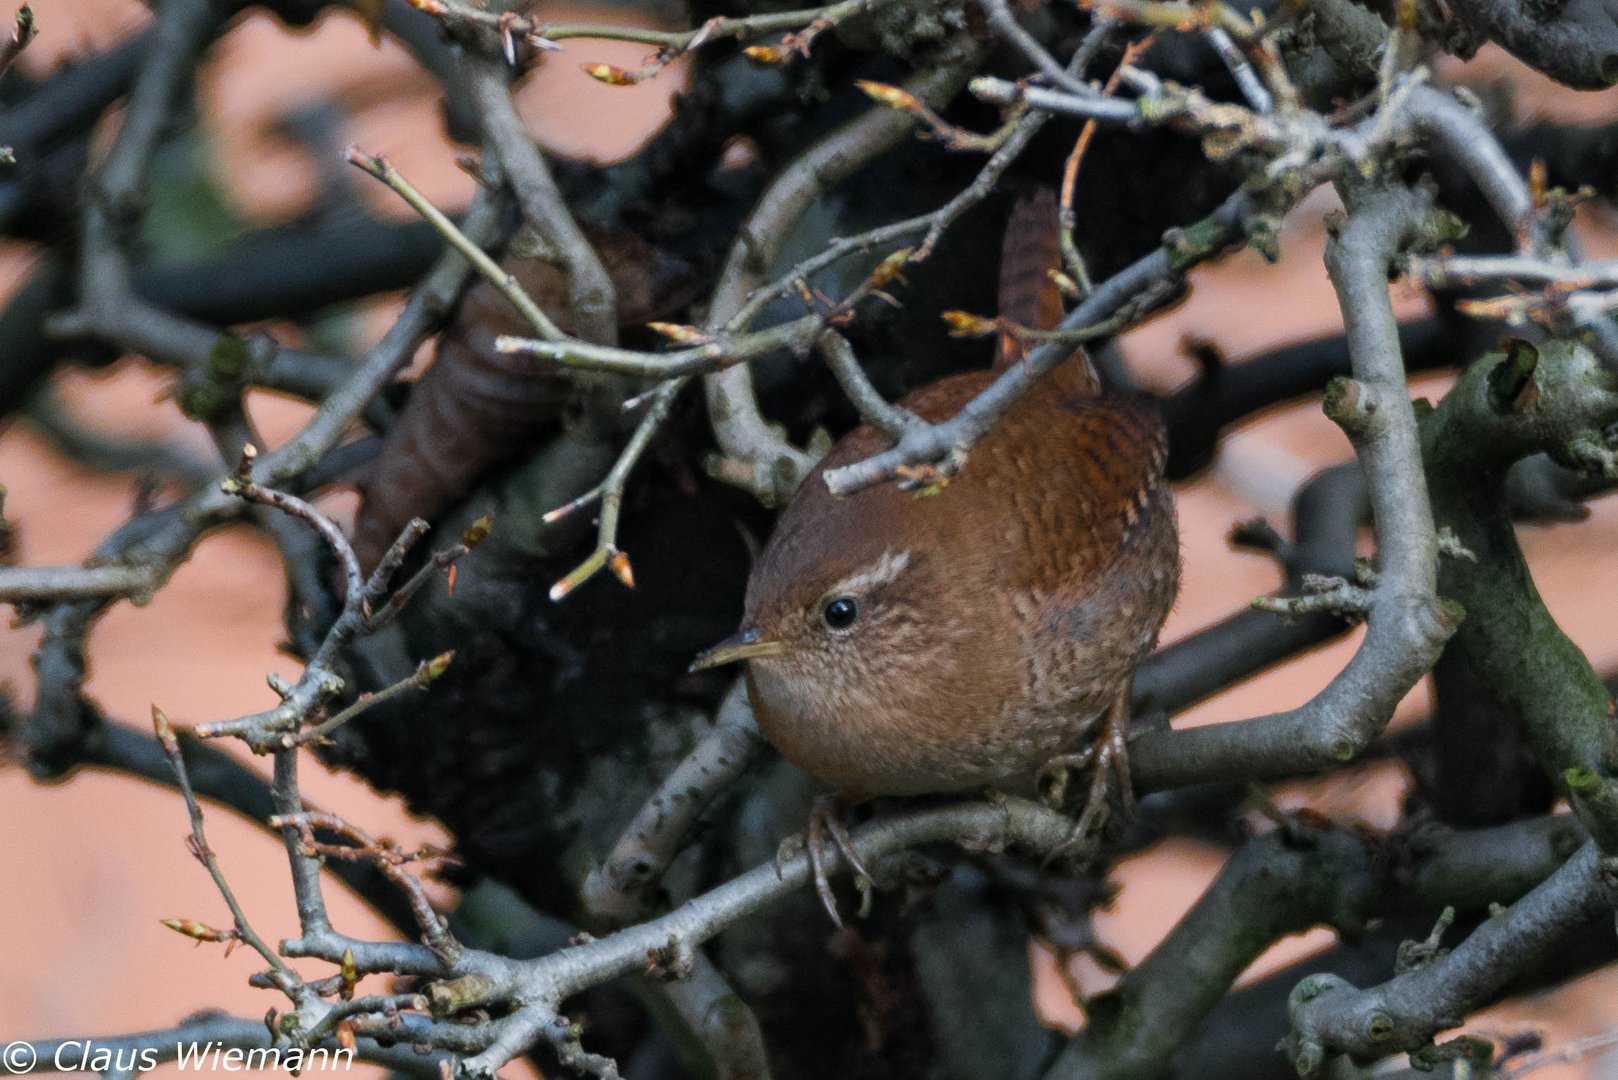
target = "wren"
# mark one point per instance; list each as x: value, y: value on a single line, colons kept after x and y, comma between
x: 905, y: 642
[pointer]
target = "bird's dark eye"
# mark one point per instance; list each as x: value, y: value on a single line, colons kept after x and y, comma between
x: 840, y: 613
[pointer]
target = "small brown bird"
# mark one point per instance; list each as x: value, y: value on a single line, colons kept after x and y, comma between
x: 902, y: 642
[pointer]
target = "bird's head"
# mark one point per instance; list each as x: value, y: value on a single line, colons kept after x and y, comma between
x: 831, y: 634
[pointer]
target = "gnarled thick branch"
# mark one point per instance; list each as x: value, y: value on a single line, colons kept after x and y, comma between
x: 1286, y: 881
x: 1408, y: 623
x: 1557, y: 398
x: 1329, y: 1016
x: 1575, y: 42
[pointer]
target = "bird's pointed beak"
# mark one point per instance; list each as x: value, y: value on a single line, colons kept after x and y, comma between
x: 745, y: 644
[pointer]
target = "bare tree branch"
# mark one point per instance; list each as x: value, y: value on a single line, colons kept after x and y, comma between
x: 619, y: 889
x: 1331, y: 1017
x: 1578, y: 45
x: 775, y: 468
x: 591, y: 294
x: 1408, y: 623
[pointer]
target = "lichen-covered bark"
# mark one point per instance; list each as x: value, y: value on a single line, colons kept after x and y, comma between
x: 1555, y: 398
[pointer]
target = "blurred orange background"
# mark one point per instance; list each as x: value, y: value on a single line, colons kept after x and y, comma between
x: 95, y: 862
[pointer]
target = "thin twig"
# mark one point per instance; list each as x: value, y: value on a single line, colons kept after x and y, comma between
x: 288, y: 979
x: 1000, y: 92
x: 1001, y: 18
x: 1067, y: 214
x: 364, y: 612
x: 892, y: 420
x: 1323, y: 594
x: 387, y: 858
x: 1251, y: 86
x: 720, y: 352
x: 610, y: 493
x: 441, y: 562
x: 381, y: 168
x: 420, y: 679
x: 1450, y: 270
x: 242, y: 486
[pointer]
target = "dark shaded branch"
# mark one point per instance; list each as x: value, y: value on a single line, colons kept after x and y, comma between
x: 1577, y: 45
x: 291, y: 271
x: 1198, y: 414
x: 1286, y: 881
x: 183, y: 27
x: 1274, y: 885
x: 69, y: 102
x: 161, y: 458
x: 970, y: 944
x: 1329, y: 1016
x: 1238, y: 1038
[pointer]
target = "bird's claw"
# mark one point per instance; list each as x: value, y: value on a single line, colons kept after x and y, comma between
x: 1055, y: 773
x: 1108, y: 760
x: 826, y: 816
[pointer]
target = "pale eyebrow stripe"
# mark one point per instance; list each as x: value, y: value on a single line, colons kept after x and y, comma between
x: 887, y: 568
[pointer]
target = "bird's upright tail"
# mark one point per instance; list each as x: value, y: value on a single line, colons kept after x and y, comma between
x: 1029, y: 294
